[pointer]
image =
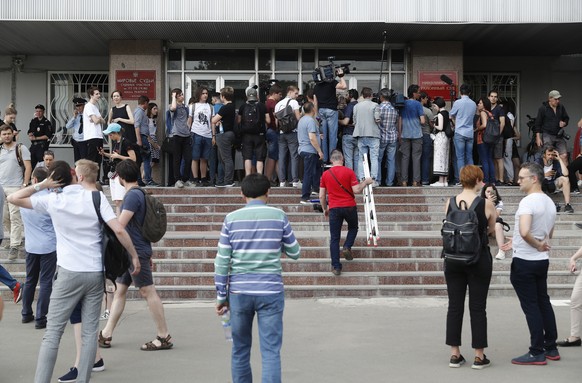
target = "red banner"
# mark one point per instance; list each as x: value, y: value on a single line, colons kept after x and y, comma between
x: 135, y: 83
x: 431, y: 83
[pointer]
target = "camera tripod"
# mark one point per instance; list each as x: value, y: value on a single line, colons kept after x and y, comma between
x: 372, y: 233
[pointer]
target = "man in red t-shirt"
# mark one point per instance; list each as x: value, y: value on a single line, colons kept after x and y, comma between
x: 341, y: 185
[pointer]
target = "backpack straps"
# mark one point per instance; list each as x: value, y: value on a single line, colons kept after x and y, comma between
x: 97, y: 205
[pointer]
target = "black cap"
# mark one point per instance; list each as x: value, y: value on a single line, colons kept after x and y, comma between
x: 79, y: 101
x: 39, y: 106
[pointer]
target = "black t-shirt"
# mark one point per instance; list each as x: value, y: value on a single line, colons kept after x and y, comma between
x: 228, y: 114
x: 122, y: 147
x: 325, y: 93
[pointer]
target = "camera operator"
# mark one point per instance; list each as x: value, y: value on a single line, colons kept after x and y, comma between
x: 551, y: 120
x: 326, y: 103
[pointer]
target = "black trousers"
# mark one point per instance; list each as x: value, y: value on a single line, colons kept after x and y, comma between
x: 182, y: 151
x: 37, y: 150
x: 93, y: 146
x: 477, y: 278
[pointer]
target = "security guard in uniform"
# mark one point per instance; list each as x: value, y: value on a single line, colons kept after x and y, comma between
x: 40, y: 133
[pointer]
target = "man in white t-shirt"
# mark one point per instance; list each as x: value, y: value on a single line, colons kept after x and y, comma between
x: 79, y: 276
x: 199, y: 120
x: 93, y: 127
x: 288, y: 143
x: 534, y: 227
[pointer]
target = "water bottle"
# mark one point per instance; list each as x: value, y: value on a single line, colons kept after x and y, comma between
x: 220, y: 128
x: 225, y: 321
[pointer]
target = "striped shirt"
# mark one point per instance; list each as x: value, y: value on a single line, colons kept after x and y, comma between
x: 388, y: 119
x: 249, y: 251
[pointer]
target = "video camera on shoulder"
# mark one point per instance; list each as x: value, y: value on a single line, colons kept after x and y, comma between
x: 328, y: 73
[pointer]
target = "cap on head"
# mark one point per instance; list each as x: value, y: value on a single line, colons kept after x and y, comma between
x: 554, y: 94
x: 40, y: 106
x: 78, y: 101
x: 112, y: 128
x: 252, y: 94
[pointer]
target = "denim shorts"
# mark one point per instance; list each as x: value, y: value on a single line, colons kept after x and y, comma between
x: 273, y: 144
x: 201, y: 147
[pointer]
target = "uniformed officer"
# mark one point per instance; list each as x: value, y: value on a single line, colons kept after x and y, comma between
x: 40, y: 132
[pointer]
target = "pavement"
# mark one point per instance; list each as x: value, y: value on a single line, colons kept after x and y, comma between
x: 325, y: 340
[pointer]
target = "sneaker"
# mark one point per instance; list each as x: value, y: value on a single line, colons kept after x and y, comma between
x: 152, y: 184
x: 17, y: 292
x: 179, y: 184
x: 305, y: 202
x: 480, y: 364
x: 188, y: 184
x: 336, y: 271
x: 99, y: 366
x: 528, y: 359
x: 575, y: 191
x: 568, y: 209
x: 105, y: 315
x: 558, y: 208
x: 458, y: 184
x: 297, y: 185
x: 347, y: 253
x: 314, y: 194
x: 552, y: 354
x: 13, y: 253
x: 375, y: 184
x: 282, y: 184
x: 438, y: 184
x: 69, y: 377
x: 500, y: 255
x: 456, y: 361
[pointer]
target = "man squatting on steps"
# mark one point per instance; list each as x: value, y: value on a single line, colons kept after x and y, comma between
x: 248, y: 278
x: 341, y: 185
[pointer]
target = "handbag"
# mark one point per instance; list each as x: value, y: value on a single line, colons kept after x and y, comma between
x: 113, y: 254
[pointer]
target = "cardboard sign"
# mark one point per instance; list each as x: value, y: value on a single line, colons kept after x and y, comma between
x: 135, y: 83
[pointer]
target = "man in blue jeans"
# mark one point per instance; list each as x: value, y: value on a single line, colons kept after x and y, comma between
x: 310, y: 150
x: 248, y: 278
x: 462, y: 114
x: 340, y: 184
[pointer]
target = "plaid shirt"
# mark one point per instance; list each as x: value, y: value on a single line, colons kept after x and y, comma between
x: 388, y: 127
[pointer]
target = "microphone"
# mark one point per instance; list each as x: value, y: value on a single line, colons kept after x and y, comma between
x: 446, y: 79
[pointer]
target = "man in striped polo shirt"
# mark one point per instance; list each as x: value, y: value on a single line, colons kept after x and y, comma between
x: 248, y: 278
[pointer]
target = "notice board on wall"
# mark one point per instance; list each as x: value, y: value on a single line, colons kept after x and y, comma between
x: 431, y: 83
x: 135, y: 83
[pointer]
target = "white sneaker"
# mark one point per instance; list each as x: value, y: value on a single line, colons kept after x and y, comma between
x: 188, y: 184
x: 375, y: 184
x: 179, y: 184
x: 282, y: 184
x: 297, y: 184
x: 438, y: 184
x: 500, y: 255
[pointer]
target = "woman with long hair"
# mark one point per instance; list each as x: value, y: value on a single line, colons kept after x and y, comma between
x: 476, y: 276
x: 491, y: 193
x: 485, y: 150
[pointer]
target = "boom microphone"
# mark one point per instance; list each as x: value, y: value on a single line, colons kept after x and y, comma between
x: 446, y: 79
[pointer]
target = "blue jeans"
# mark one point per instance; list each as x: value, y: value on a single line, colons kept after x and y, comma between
x: 337, y: 215
x: 272, y: 137
x: 69, y: 288
x: 39, y: 267
x: 6, y: 278
x: 463, y: 150
x: 147, y: 160
x: 390, y: 151
x: 365, y: 144
x: 310, y: 174
x: 351, y: 153
x: 530, y: 281
x: 269, y: 309
x: 426, y: 159
x: 288, y: 146
x: 329, y: 125
x: 486, y: 156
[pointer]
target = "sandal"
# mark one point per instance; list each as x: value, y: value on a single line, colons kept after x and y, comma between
x: 104, y: 342
x: 165, y: 344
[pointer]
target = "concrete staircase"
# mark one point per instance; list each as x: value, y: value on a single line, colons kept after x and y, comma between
x: 406, y: 261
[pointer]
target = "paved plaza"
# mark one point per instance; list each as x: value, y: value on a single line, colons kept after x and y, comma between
x: 325, y: 341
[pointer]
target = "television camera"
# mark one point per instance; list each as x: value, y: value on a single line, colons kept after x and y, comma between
x: 328, y: 72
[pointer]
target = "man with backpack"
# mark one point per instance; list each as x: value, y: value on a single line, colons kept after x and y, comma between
x: 252, y: 118
x: 15, y: 172
x: 287, y: 114
x: 132, y: 218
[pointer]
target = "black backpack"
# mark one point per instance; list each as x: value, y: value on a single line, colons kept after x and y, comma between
x: 155, y: 221
x: 508, y: 129
x: 287, y: 119
x: 462, y: 240
x: 448, y: 129
x: 251, y: 120
x: 492, y: 131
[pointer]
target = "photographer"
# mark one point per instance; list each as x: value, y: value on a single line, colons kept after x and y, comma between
x: 555, y: 176
x: 550, y: 122
x: 326, y: 103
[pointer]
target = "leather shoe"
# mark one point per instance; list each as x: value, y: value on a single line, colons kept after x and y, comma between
x: 566, y: 343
